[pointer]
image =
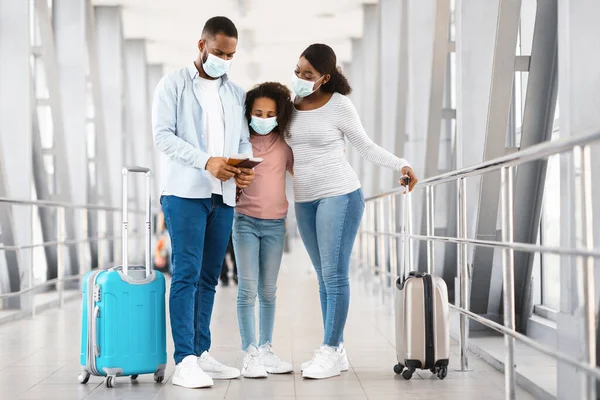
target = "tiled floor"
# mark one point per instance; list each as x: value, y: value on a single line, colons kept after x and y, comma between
x: 39, y: 358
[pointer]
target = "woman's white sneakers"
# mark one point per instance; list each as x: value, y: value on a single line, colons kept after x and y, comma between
x: 344, y: 364
x: 215, y: 369
x: 188, y: 374
x: 325, y: 364
x: 258, y: 363
x: 272, y: 363
x: 253, y: 366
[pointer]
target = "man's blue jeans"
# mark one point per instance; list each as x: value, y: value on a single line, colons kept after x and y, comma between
x: 258, y: 245
x: 328, y: 228
x: 199, y: 230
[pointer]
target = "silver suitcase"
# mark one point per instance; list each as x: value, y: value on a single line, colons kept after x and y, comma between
x: 422, y: 316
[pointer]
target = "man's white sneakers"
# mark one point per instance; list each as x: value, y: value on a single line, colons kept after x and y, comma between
x: 215, y: 369
x: 188, y: 374
x: 253, y: 366
x: 272, y: 363
x: 344, y: 364
x: 325, y: 364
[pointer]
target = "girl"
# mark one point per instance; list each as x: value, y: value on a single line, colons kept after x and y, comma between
x: 329, y: 199
x: 259, y: 227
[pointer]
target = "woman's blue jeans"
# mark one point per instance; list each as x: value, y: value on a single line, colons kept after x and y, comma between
x: 258, y: 245
x: 328, y: 228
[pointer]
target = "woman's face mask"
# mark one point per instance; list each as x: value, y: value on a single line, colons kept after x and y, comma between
x: 263, y: 126
x: 304, y: 88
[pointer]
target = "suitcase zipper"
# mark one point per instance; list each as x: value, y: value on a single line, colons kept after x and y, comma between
x: 428, y: 293
x: 91, y: 351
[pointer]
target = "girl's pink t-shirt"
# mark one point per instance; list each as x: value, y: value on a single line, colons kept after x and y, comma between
x: 265, y: 198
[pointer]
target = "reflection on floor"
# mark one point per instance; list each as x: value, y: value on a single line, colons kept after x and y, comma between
x: 39, y: 359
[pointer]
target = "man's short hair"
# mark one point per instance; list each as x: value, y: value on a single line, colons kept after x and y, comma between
x: 220, y: 25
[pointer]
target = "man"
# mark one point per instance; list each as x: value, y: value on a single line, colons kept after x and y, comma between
x: 198, y: 121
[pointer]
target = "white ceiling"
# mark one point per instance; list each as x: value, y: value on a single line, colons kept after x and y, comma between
x: 272, y: 33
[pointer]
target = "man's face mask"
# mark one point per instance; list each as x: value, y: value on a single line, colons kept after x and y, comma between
x: 214, y: 66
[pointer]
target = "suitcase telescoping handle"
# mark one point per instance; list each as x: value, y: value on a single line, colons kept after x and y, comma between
x: 148, y: 200
x: 406, y: 261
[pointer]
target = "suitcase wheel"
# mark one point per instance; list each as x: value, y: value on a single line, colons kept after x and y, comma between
x: 398, y: 368
x: 407, y: 374
x: 442, y: 372
x: 134, y: 377
x: 158, y: 378
x: 110, y: 381
x: 83, y: 377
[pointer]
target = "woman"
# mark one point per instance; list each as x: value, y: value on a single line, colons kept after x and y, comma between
x: 329, y: 199
x: 259, y: 227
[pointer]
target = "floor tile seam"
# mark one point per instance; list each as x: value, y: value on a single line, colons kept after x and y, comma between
x: 228, y: 387
x: 22, y: 359
x: 94, y: 390
x: 293, y: 360
x: 359, y: 381
x: 40, y: 381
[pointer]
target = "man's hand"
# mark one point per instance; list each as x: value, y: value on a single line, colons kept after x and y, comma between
x: 408, y: 172
x: 219, y: 168
x: 244, y: 178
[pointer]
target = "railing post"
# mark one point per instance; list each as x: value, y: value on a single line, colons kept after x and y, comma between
x: 367, y: 256
x: 101, y: 238
x: 508, y: 280
x: 366, y: 225
x: 371, y: 222
x: 430, y: 204
x: 60, y: 254
x: 356, y: 249
x: 374, y: 238
x: 463, y: 274
x: 381, y: 256
x: 84, y: 244
x: 31, y: 272
x: 585, y: 265
x: 361, y: 240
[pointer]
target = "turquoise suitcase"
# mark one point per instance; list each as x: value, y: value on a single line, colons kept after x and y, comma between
x: 123, y: 314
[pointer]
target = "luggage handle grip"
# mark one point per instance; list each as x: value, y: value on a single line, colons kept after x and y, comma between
x: 125, y: 239
x: 406, y: 229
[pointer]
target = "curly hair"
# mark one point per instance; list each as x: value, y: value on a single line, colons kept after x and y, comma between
x: 280, y: 94
x: 323, y: 59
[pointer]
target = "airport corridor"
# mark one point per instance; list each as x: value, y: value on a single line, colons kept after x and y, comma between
x: 39, y: 358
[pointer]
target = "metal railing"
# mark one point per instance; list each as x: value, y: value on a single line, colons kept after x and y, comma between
x: 381, y: 211
x: 61, y: 242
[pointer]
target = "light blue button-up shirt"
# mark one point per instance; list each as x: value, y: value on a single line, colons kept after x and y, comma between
x: 180, y: 136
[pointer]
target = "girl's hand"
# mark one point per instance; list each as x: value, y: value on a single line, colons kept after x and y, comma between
x: 244, y: 178
x: 408, y: 172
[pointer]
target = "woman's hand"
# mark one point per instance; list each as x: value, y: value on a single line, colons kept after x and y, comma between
x: 244, y: 178
x: 408, y: 172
